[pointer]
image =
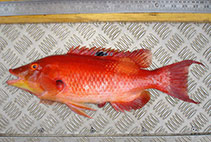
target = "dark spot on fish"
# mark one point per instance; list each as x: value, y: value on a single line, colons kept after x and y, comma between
x: 101, y: 53
x: 60, y: 84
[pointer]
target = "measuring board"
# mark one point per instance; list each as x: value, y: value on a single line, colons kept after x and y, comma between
x: 36, y: 7
x: 104, y: 10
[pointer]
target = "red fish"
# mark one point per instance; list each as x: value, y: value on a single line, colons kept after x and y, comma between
x: 99, y: 76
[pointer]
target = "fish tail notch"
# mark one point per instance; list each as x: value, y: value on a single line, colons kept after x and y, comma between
x: 174, y: 80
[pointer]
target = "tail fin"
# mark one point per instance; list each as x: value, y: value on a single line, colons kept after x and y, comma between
x: 173, y: 80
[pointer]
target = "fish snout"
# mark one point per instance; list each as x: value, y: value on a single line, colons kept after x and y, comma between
x: 16, y: 81
x: 11, y: 71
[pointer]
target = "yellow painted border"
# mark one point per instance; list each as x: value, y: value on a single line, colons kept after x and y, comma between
x: 111, y: 17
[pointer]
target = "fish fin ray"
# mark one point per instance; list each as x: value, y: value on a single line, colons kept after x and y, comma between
x: 94, y: 51
x: 143, y: 57
x: 137, y: 103
x: 177, y: 76
x: 79, y: 105
x: 78, y: 110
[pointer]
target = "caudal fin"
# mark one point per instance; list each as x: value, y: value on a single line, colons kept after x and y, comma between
x: 173, y: 80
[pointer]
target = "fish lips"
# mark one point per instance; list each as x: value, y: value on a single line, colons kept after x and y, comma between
x: 15, y: 82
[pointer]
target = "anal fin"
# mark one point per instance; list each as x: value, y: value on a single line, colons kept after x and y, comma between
x: 137, y: 103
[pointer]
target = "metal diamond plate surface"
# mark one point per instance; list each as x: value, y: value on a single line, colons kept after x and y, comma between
x: 21, y: 112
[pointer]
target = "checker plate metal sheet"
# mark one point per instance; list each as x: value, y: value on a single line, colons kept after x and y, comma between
x: 21, y: 112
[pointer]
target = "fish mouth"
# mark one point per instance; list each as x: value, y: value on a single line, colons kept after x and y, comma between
x: 22, y: 83
x: 15, y: 82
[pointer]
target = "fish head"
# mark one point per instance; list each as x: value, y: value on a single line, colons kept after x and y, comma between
x: 28, y: 78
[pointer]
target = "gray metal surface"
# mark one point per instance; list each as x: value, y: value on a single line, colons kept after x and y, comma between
x: 21, y: 112
x: 109, y: 139
x: 33, y: 7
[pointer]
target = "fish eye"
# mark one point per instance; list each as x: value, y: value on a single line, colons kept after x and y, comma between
x: 34, y: 66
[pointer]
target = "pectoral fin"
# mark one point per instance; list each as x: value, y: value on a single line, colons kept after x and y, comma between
x: 137, y: 103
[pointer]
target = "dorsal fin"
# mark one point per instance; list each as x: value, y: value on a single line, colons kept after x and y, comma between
x: 94, y: 51
x: 142, y: 57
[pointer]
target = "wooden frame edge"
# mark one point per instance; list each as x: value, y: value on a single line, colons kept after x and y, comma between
x: 108, y: 17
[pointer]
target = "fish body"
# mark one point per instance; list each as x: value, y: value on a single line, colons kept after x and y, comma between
x: 119, y: 78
